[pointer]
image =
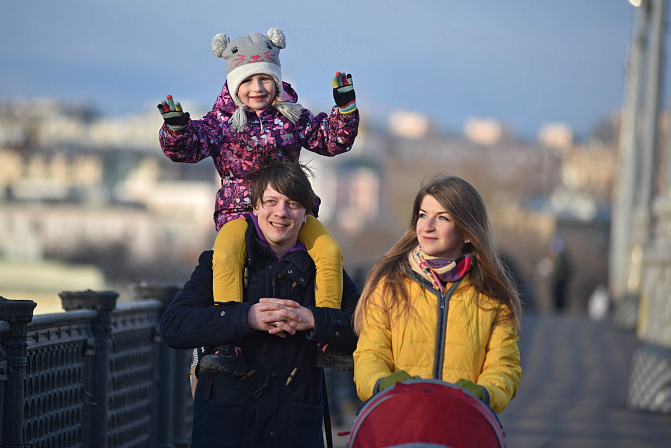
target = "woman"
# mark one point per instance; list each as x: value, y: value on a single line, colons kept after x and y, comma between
x: 269, y: 392
x: 439, y: 304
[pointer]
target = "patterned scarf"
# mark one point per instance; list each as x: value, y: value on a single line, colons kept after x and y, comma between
x: 439, y: 270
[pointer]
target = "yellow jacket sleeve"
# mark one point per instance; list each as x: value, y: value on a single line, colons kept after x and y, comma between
x: 373, y: 358
x: 501, y: 372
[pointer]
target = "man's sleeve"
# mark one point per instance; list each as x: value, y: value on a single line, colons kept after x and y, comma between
x: 194, y: 320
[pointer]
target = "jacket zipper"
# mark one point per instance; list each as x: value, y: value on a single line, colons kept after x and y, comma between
x: 441, y: 331
x: 263, y: 135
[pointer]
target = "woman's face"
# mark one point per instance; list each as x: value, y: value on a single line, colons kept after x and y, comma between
x: 280, y: 220
x: 436, y: 231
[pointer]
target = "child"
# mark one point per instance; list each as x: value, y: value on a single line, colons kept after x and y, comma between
x: 256, y: 119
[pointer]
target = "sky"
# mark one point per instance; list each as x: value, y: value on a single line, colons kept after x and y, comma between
x: 523, y: 62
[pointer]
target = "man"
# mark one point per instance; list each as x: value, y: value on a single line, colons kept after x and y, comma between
x: 270, y: 393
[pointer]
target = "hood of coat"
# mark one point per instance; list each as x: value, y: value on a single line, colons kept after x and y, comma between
x: 229, y: 106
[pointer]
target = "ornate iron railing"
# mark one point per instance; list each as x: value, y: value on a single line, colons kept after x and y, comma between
x: 93, y: 376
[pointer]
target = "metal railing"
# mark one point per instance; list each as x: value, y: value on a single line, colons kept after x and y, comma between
x: 96, y: 375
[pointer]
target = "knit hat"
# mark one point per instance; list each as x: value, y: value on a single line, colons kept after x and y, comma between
x: 252, y: 55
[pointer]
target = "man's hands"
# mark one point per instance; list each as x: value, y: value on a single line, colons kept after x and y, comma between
x: 172, y: 114
x: 279, y: 317
x: 343, y: 93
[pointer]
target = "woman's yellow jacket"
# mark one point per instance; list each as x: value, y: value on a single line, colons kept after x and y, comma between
x: 445, y: 337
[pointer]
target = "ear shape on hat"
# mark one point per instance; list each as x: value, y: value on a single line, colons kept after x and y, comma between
x: 219, y: 43
x: 276, y: 36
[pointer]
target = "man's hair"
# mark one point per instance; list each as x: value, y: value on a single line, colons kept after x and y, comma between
x: 286, y: 177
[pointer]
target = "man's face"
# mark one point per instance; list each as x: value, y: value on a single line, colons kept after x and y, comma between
x: 280, y: 219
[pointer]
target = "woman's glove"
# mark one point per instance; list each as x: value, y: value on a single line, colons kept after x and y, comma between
x: 473, y: 388
x: 343, y: 93
x: 172, y: 114
x: 396, y: 377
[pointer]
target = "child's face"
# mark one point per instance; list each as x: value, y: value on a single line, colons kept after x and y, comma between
x: 257, y: 91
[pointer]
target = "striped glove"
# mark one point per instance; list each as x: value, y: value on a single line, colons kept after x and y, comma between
x: 172, y: 114
x: 343, y: 93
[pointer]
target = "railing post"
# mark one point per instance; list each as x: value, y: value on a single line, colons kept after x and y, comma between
x: 172, y: 374
x: 18, y: 313
x: 94, y: 426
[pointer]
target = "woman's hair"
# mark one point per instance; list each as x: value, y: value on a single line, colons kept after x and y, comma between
x: 285, y: 176
x: 469, y: 215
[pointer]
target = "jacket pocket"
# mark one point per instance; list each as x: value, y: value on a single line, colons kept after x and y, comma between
x: 306, y: 425
x: 218, y: 425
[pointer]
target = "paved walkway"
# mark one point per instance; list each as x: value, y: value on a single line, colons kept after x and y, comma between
x: 574, y: 388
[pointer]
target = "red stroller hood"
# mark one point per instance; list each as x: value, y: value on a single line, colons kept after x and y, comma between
x: 419, y: 413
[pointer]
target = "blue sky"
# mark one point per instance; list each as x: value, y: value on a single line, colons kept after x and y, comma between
x: 524, y: 62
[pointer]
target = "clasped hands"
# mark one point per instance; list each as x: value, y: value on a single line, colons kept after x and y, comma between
x: 280, y: 317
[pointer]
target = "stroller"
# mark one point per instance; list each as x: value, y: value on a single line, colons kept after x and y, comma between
x: 426, y: 413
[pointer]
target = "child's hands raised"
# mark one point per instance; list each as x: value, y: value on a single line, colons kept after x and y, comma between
x: 172, y: 113
x: 343, y: 93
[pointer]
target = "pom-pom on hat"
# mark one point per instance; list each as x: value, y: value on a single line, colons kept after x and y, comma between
x: 252, y: 55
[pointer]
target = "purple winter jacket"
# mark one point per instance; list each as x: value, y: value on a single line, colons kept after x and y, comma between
x: 268, y: 137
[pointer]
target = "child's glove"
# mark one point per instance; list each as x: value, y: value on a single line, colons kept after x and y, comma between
x: 473, y: 388
x: 343, y: 93
x: 172, y: 113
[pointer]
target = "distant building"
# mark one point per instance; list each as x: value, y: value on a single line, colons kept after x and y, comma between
x: 558, y: 136
x: 358, y: 196
x: 486, y: 131
x: 409, y: 124
x: 73, y: 187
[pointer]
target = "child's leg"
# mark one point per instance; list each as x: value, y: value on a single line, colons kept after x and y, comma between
x: 326, y: 253
x: 228, y: 261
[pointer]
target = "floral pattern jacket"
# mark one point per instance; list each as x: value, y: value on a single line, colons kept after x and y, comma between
x: 269, y: 135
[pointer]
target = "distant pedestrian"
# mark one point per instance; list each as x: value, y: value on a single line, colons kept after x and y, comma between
x: 560, y: 273
x: 439, y: 304
x: 554, y: 268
